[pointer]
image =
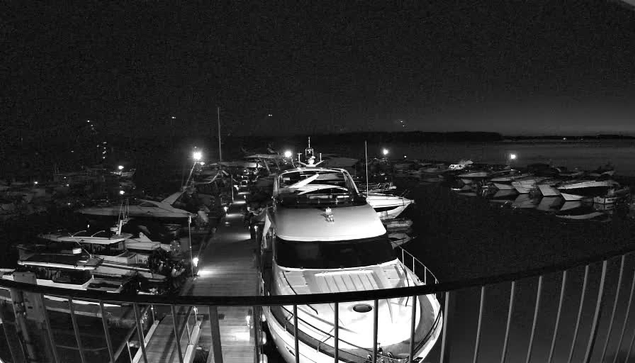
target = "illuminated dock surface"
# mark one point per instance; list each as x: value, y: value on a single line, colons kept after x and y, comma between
x: 227, y: 267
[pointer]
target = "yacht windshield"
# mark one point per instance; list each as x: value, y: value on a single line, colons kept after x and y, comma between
x: 333, y: 254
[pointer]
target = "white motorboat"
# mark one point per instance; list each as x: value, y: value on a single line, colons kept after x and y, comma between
x: 122, y: 255
x: 527, y: 184
x: 388, y: 206
x: 548, y: 187
x: 143, y: 209
x: 67, y: 267
x: 586, y: 189
x: 613, y: 196
x: 321, y: 236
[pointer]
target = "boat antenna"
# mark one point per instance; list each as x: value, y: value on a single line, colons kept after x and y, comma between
x: 366, y: 157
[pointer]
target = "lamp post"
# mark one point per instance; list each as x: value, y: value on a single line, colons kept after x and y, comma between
x: 197, y: 155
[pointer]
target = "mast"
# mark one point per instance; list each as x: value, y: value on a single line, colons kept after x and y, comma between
x: 366, y: 157
x: 220, y: 151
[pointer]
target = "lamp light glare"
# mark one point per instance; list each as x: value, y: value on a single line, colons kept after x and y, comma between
x: 197, y: 155
x: 384, y: 152
x: 120, y: 167
x: 512, y: 156
x: 288, y: 154
x: 121, y: 192
x: 195, y: 261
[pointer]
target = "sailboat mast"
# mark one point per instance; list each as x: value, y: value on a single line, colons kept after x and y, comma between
x: 366, y: 157
x: 220, y: 151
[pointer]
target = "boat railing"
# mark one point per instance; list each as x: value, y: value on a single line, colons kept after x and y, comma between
x: 575, y: 311
x: 416, y: 266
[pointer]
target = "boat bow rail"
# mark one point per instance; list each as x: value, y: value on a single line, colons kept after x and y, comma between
x: 530, y: 326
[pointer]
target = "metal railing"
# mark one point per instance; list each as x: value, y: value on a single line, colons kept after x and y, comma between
x: 579, y: 311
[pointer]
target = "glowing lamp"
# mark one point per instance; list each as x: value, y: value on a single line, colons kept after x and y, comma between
x: 120, y: 167
x: 195, y: 261
x: 202, y: 163
x: 35, y: 182
x: 512, y: 156
x: 121, y: 192
x: 197, y: 155
x: 288, y: 154
x: 384, y: 152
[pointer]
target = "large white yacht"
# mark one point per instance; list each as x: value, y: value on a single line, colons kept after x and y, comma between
x: 321, y: 236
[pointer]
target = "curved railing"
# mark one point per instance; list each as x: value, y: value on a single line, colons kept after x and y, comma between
x: 587, y: 319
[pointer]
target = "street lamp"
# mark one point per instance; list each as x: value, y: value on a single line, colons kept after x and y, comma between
x: 385, y: 152
x: 197, y: 155
x: 288, y: 154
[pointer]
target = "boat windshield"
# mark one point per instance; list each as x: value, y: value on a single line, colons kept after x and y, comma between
x: 333, y: 254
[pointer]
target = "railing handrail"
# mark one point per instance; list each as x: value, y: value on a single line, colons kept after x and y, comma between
x: 323, y: 298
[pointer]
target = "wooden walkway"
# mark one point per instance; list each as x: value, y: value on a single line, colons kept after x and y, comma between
x: 227, y: 267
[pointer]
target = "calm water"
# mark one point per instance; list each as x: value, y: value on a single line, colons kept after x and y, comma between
x: 572, y: 154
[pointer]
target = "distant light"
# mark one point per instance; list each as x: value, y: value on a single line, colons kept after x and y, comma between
x: 195, y: 261
x: 120, y: 167
x: 197, y: 155
x: 512, y: 156
x: 225, y: 208
x: 202, y: 163
x: 88, y: 121
x: 35, y: 182
x: 173, y: 117
x: 121, y: 192
x: 405, y: 157
x: 288, y: 154
x: 384, y: 152
x: 270, y: 115
x: 72, y: 151
x: 564, y: 138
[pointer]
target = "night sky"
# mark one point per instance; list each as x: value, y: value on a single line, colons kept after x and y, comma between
x: 515, y: 67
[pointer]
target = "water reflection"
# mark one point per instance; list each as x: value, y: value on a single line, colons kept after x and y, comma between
x: 579, y: 210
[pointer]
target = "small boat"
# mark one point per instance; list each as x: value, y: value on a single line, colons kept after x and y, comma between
x: 527, y: 184
x: 388, y: 206
x: 397, y: 224
x: 143, y: 208
x: 613, y: 196
x: 524, y: 201
x: 586, y: 189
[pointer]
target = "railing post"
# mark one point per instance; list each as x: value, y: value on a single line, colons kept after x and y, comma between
x: 142, y: 341
x: 596, y: 316
x: 296, y: 340
x: 510, y: 310
x: 445, y: 352
x: 78, y: 338
x: 336, y: 345
x: 478, y: 326
x: 413, y: 318
x: 533, y: 324
x: 375, y: 328
x: 14, y: 355
x: 577, y: 322
x: 617, y: 298
x: 214, y: 325
x: 104, y: 323
x: 49, y: 329
x: 563, y: 285
x: 177, y: 337
x: 628, y: 311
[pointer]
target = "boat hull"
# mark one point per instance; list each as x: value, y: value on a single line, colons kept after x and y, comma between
x: 284, y: 341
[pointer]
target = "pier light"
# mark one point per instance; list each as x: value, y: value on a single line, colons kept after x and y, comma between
x: 384, y: 152
x: 202, y: 163
x: 197, y: 155
x: 195, y: 261
x: 35, y: 182
x: 512, y: 156
x: 121, y: 192
x: 120, y: 167
x: 288, y: 154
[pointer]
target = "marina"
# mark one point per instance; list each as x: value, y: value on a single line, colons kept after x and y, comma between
x: 220, y: 250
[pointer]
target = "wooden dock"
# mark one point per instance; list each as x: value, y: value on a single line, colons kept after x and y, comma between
x: 227, y: 267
